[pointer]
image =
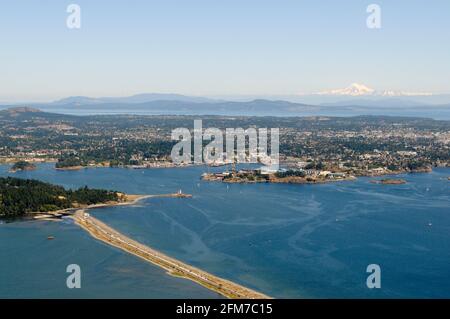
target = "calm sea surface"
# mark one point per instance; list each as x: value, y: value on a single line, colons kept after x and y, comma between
x: 284, y: 240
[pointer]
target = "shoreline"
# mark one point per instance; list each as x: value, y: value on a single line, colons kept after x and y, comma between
x: 130, y: 200
x: 211, y: 177
x: 173, y: 267
x: 286, y: 181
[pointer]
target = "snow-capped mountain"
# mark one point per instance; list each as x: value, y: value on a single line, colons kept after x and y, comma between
x: 356, y: 89
x: 401, y: 93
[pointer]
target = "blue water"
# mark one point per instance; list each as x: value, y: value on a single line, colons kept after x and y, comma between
x: 284, y: 240
x: 437, y: 113
x: 33, y: 267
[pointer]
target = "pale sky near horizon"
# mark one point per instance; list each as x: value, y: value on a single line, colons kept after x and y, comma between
x: 220, y: 47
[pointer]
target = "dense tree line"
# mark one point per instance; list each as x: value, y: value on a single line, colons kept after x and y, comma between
x: 20, y: 196
x: 69, y: 161
x: 22, y: 165
x: 290, y: 173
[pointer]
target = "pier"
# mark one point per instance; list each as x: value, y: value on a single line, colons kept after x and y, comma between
x: 178, y: 194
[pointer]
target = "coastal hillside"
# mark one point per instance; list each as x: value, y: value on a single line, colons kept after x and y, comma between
x: 21, y: 196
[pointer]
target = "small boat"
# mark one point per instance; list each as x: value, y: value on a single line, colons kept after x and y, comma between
x: 50, y: 237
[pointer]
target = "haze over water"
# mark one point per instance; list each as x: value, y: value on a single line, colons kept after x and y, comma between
x: 437, y: 113
x: 283, y: 240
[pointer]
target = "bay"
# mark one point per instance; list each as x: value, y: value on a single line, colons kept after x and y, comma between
x: 288, y: 241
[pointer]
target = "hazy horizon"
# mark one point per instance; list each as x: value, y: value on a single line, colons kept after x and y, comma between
x: 213, y: 49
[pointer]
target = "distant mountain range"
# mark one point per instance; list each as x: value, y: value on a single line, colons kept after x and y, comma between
x: 356, y: 89
x: 134, y: 99
x: 185, y: 106
x: 355, y: 94
x: 357, y: 99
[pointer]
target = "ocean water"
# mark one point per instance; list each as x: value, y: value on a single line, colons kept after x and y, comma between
x: 288, y: 241
x: 437, y: 113
x: 31, y: 266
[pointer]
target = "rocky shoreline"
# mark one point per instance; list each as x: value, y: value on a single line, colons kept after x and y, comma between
x: 389, y: 181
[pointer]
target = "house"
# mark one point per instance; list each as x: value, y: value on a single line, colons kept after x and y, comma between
x: 324, y: 173
x: 336, y: 175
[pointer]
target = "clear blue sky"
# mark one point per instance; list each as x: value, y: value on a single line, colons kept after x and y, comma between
x: 220, y: 47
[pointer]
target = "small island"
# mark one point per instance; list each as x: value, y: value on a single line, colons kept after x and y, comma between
x: 22, y: 166
x: 277, y: 176
x: 389, y: 181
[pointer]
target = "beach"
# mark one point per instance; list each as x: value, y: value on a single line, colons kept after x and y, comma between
x: 174, y: 267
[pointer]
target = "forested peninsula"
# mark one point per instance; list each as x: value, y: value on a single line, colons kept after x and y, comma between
x: 21, y: 196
